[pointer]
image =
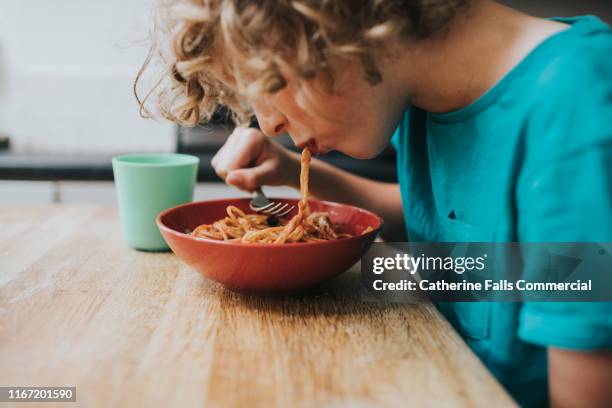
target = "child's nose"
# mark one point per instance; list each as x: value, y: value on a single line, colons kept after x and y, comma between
x: 271, y: 120
x: 279, y: 129
x: 273, y: 125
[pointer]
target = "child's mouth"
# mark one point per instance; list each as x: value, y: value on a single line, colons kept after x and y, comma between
x: 315, y: 148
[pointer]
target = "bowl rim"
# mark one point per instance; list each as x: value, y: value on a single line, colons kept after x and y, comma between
x: 171, y: 231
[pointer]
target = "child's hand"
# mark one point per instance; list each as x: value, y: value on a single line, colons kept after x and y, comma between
x: 249, y: 159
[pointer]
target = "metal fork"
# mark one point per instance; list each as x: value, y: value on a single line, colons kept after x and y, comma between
x: 261, y: 204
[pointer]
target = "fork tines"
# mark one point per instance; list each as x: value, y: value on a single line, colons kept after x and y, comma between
x: 276, y: 209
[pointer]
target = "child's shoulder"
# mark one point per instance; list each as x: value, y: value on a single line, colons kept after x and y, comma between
x: 570, y: 97
x: 578, y: 59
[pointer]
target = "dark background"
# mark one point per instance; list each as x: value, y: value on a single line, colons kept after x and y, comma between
x: 563, y: 8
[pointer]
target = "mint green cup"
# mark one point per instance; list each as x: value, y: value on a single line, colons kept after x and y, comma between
x: 146, y: 185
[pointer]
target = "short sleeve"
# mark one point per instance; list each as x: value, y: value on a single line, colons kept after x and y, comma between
x: 564, y: 194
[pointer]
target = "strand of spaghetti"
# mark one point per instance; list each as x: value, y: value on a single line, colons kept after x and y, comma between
x: 260, y: 235
x: 303, y: 208
x: 305, y: 181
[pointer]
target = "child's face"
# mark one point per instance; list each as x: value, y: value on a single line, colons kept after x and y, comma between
x: 357, y: 119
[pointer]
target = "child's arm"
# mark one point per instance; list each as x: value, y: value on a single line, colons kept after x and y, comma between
x: 580, y: 379
x: 249, y: 159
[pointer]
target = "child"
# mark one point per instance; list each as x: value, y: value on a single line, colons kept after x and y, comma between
x: 502, y: 124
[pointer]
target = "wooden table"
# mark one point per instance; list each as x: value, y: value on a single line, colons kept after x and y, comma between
x: 127, y: 328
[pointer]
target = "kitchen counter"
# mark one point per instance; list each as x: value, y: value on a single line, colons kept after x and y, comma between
x: 56, y: 166
x: 80, y: 308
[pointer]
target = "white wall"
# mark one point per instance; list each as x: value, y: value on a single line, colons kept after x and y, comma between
x: 66, y: 73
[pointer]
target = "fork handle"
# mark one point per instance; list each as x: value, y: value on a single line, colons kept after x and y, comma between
x: 260, y: 199
x: 259, y: 192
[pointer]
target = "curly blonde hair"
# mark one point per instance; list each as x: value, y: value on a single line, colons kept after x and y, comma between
x: 217, y: 53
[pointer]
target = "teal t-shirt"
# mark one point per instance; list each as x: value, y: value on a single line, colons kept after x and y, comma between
x: 529, y: 161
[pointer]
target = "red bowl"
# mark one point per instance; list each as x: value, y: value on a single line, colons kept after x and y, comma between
x: 266, y: 267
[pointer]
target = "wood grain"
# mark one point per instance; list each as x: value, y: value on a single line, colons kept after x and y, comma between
x: 127, y: 328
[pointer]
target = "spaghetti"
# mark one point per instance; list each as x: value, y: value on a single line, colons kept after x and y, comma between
x: 305, y: 226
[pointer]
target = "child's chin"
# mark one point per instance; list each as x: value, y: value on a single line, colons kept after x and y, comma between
x: 362, y: 154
